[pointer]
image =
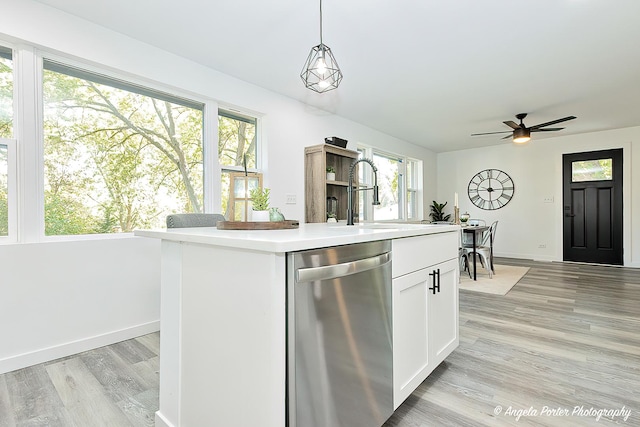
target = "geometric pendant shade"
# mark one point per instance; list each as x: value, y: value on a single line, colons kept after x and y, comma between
x: 321, y: 72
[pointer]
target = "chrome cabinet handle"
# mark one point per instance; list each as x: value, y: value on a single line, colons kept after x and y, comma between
x: 341, y: 270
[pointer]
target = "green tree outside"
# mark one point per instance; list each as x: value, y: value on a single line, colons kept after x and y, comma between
x: 6, y: 131
x: 116, y: 160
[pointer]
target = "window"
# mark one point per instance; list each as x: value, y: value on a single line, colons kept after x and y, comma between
x: 4, y: 189
x: 398, y: 185
x: 8, y: 206
x: 117, y: 156
x: 237, y: 149
x: 6, y: 93
x: 389, y: 183
x: 413, y: 174
x: 7, y: 147
x: 592, y: 170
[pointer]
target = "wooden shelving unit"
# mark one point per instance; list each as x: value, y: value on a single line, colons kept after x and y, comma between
x: 317, y: 188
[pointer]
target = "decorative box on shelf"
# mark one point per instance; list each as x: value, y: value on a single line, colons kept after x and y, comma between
x: 338, y: 142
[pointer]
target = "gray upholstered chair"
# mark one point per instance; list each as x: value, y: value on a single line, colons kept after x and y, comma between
x: 193, y: 220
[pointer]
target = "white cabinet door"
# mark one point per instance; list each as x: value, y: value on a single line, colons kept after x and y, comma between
x: 424, y: 308
x: 443, y: 311
x: 425, y: 324
x: 410, y: 340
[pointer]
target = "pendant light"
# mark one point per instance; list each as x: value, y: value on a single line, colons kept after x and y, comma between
x: 321, y: 72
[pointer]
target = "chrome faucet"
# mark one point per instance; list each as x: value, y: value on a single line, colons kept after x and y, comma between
x: 350, y: 189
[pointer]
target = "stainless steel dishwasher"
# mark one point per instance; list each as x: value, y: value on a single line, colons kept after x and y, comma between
x: 339, y: 336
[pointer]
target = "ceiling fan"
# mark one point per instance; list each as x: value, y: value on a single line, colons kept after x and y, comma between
x: 521, y: 133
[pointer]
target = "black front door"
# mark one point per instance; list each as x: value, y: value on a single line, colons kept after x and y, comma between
x: 592, y: 199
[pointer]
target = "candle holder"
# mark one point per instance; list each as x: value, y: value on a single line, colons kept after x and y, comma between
x: 456, y: 215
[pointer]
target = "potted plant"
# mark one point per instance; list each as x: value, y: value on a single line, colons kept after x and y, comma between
x: 331, y: 173
x: 260, y: 204
x: 464, y: 218
x: 437, y: 212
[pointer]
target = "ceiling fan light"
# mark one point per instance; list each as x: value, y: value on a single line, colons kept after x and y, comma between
x: 521, y: 136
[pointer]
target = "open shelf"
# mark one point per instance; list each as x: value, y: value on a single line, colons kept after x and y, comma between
x: 317, y: 158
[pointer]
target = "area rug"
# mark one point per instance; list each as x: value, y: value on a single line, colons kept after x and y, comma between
x: 505, y: 277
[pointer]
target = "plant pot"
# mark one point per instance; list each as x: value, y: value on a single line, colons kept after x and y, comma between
x: 260, y: 216
x: 464, y: 218
x: 331, y: 176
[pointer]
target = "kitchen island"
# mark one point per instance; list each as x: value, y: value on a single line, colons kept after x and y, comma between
x: 223, y: 351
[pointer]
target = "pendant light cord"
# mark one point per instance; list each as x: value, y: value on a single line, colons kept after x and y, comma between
x: 320, y: 21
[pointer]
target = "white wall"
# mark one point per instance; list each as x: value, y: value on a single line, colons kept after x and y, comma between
x: 60, y: 298
x: 536, y: 168
x: 69, y: 296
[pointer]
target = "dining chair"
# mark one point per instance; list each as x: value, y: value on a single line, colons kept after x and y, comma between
x: 485, y: 251
x: 462, y: 257
x: 489, y: 233
x: 187, y: 220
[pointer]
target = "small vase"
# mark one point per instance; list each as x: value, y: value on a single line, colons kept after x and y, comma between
x: 275, y: 215
x: 260, y: 216
x: 331, y: 176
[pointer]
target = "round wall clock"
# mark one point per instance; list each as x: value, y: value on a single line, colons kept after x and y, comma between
x: 490, y: 189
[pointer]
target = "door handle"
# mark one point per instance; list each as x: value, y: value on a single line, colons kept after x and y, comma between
x: 436, y: 281
x: 340, y: 270
x: 569, y: 215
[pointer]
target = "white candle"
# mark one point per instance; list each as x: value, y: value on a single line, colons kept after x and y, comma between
x: 455, y: 200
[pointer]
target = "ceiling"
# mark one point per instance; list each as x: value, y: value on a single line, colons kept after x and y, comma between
x: 428, y: 72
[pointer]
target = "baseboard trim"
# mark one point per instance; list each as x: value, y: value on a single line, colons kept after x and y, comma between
x: 67, y: 349
x: 161, y: 421
x: 535, y: 257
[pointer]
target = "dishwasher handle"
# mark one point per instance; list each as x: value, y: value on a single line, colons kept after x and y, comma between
x: 340, y: 270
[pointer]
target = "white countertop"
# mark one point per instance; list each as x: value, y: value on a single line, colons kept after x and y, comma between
x: 308, y: 236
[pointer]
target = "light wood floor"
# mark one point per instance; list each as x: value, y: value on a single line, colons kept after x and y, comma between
x: 566, y: 336
x: 113, y: 386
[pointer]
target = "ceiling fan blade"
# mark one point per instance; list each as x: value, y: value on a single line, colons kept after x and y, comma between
x: 546, y: 130
x: 507, y: 137
x: 512, y: 124
x: 553, y: 122
x: 490, y: 133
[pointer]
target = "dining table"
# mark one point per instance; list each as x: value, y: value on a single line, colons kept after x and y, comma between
x: 476, y: 231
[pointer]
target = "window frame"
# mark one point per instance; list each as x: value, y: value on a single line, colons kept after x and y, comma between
x: 125, y: 82
x: 28, y: 133
x: 233, y: 199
